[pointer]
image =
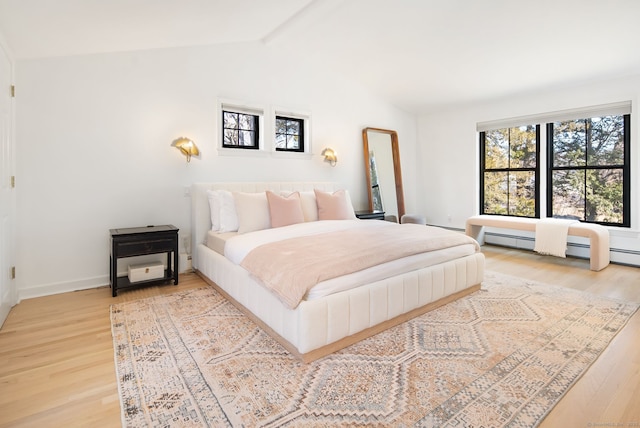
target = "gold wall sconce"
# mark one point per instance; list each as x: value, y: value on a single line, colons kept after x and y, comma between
x: 187, y: 147
x: 330, y: 156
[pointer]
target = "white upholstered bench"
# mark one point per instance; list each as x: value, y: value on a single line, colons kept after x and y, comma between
x: 598, y: 235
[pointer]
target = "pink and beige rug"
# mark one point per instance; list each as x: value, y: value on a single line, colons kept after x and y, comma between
x: 503, y: 356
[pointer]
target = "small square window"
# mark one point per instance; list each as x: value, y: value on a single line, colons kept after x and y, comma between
x: 289, y: 134
x: 240, y: 130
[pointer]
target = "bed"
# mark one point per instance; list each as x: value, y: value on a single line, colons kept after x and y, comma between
x: 320, y: 323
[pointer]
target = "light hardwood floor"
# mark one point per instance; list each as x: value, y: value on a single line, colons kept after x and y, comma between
x: 57, y: 369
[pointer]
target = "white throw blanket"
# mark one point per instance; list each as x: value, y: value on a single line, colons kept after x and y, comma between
x: 551, y: 236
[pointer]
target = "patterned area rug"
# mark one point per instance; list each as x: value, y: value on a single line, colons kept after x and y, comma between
x: 504, y: 355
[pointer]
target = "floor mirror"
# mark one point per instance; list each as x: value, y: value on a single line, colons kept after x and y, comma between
x: 384, y: 175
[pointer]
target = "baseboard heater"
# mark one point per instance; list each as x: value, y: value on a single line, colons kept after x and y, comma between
x: 620, y: 256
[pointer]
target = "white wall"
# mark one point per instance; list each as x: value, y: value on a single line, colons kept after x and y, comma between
x: 448, y: 149
x: 93, y: 145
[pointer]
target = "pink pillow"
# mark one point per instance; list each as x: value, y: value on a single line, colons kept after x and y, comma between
x: 334, y: 206
x: 285, y: 210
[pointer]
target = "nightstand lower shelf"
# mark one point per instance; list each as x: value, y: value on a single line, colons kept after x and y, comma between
x: 124, y: 282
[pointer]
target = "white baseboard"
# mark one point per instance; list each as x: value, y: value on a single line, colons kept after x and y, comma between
x: 62, y: 287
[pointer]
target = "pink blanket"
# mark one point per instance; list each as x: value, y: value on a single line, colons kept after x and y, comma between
x: 290, y: 268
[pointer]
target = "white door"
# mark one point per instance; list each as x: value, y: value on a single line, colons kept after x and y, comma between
x: 7, y: 193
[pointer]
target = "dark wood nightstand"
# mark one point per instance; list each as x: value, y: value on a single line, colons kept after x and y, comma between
x: 141, y: 241
x: 370, y: 215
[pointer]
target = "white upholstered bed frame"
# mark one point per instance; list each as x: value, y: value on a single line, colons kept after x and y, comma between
x: 322, y: 326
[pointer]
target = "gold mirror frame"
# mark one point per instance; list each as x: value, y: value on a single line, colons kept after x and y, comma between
x: 393, y: 136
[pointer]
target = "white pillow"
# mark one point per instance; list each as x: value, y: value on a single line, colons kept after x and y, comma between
x: 214, y: 208
x: 253, y: 211
x: 308, y: 202
x: 223, y: 211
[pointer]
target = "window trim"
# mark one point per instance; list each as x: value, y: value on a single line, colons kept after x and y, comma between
x: 243, y: 108
x: 619, y: 108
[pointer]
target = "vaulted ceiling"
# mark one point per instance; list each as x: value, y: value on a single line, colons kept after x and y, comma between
x: 417, y: 54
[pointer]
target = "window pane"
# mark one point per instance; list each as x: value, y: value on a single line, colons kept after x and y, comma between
x: 523, y: 147
x: 522, y: 193
x: 569, y: 143
x: 230, y: 120
x: 247, y: 122
x: 497, y: 149
x: 281, y: 141
x: 230, y: 137
x: 568, y: 194
x: 496, y: 190
x: 292, y: 142
x: 247, y: 138
x: 606, y: 145
x: 281, y: 126
x: 604, y: 201
x: 293, y: 127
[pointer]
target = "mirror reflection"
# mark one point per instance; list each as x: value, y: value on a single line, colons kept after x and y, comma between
x: 382, y: 167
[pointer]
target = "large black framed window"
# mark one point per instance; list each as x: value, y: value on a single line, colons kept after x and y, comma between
x: 509, y: 171
x: 589, y: 174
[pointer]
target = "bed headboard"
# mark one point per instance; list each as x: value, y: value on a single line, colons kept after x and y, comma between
x: 201, y: 217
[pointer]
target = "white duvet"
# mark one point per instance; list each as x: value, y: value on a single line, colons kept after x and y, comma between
x: 237, y: 247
